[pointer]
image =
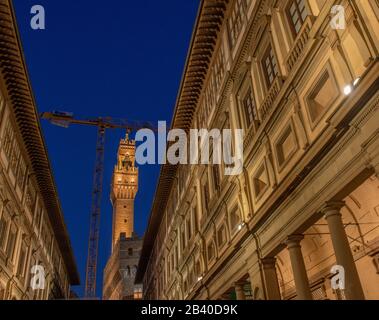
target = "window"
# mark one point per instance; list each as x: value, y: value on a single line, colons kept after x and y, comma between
x: 236, y: 20
x: 22, y: 259
x: 46, y: 238
x: 235, y: 219
x: 249, y: 109
x: 168, y: 267
x: 15, y: 155
x: 2, y: 103
x: 260, y: 181
x: 216, y: 177
x: 297, y: 13
x: 189, y: 229
x: 3, y: 231
x: 8, y: 139
x: 191, y: 277
x: 219, y: 68
x: 205, y: 197
x: 221, y: 236
x: 21, y: 173
x: 11, y: 241
x: 198, y: 269
x: 185, y: 286
x: 269, y: 65
x: 130, y: 251
x: 183, y: 237
x: 211, y: 251
x: 176, y: 255
x: 30, y: 196
x: 194, y: 219
x: 324, y: 93
x: 286, y: 146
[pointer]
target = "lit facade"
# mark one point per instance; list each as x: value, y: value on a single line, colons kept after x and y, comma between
x: 119, y: 273
x: 307, y: 98
x: 32, y: 228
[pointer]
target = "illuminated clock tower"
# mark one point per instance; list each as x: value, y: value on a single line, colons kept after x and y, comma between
x: 123, y: 191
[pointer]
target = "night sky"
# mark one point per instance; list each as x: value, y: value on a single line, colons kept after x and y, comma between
x: 118, y: 58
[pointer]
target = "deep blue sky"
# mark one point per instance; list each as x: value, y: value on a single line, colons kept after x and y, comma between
x: 116, y: 58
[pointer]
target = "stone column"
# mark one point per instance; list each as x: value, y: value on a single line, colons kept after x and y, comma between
x: 240, y: 293
x: 270, y: 279
x: 353, y: 288
x: 298, y: 267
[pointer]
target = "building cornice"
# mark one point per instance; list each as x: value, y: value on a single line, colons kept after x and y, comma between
x: 23, y: 108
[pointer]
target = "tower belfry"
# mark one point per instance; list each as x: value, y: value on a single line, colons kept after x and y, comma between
x: 123, y: 191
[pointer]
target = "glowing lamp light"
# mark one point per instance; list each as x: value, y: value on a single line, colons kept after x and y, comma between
x: 356, y: 81
x: 199, y: 278
x: 347, y: 90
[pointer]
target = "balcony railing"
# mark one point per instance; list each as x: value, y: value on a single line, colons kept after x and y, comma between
x: 299, y: 44
x: 267, y: 103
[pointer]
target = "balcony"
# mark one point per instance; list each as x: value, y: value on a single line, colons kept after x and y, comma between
x: 299, y: 44
x: 268, y: 102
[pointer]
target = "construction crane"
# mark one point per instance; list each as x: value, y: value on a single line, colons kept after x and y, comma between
x: 64, y: 119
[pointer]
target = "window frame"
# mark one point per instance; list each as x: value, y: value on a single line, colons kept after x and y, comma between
x: 289, y: 16
x: 3, y: 246
x: 233, y: 33
x: 267, y: 54
x: 234, y: 228
x: 248, y: 93
x: 222, y: 229
x: 11, y: 255
x: 209, y: 244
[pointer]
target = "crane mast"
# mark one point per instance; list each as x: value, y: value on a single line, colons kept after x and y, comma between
x: 94, y: 230
x: 64, y: 119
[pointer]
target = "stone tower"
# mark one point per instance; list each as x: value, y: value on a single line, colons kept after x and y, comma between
x: 121, y: 267
x: 123, y: 191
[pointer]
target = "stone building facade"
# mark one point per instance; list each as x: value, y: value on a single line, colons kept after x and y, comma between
x: 120, y: 271
x: 32, y: 228
x: 306, y: 94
